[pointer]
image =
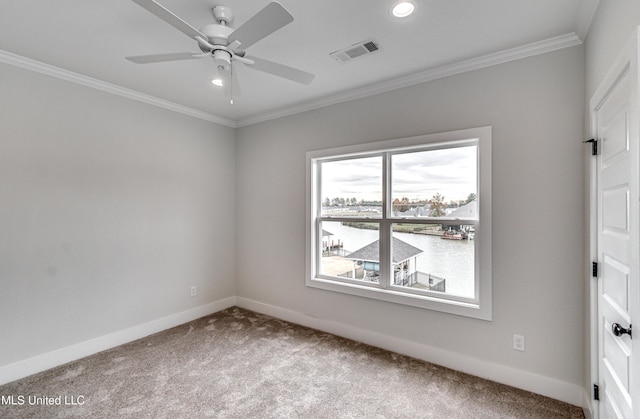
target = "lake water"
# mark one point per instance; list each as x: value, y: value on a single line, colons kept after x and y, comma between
x: 450, y: 259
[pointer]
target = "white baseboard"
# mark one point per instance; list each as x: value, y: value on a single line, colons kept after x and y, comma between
x: 546, y: 386
x: 587, y: 405
x: 61, y: 356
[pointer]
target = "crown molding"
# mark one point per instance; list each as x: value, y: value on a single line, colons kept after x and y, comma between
x: 512, y: 54
x: 62, y: 74
x: 586, y: 14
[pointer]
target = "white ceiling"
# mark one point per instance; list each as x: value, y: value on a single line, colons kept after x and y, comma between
x: 92, y: 37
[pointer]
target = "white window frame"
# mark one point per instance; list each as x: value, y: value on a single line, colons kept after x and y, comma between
x: 478, y: 307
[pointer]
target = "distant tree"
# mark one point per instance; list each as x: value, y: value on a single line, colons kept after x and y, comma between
x: 437, y: 205
x: 326, y: 203
x: 401, y: 205
x: 395, y: 205
x: 472, y: 197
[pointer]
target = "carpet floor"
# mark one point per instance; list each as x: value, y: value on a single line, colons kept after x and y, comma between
x: 240, y: 364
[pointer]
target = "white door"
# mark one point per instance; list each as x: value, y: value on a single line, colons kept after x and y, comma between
x: 615, y: 117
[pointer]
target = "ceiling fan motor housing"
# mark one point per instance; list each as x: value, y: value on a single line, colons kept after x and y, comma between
x: 217, y: 34
x: 223, y: 14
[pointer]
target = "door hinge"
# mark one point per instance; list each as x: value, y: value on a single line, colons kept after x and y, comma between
x: 596, y: 392
x: 594, y: 146
x: 594, y: 269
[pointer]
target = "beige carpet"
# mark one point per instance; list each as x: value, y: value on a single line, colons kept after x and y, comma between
x: 239, y: 364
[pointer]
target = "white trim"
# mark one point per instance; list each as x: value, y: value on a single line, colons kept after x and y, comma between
x: 512, y: 54
x: 62, y: 74
x: 586, y: 404
x: 478, y: 308
x: 80, y: 350
x: 500, y: 57
x: 539, y: 384
x: 592, y: 288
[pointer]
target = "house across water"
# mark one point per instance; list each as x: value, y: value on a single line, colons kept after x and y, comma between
x: 365, y: 265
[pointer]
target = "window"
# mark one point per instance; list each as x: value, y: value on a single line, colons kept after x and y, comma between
x: 406, y: 221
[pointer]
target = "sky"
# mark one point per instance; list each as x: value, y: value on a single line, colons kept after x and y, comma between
x: 452, y: 172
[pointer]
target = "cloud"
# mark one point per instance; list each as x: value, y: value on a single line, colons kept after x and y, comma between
x: 354, y: 178
x: 451, y: 172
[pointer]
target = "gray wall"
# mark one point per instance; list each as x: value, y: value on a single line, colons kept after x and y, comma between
x: 110, y: 210
x: 535, y: 106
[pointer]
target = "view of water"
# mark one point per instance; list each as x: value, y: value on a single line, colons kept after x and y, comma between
x: 450, y: 259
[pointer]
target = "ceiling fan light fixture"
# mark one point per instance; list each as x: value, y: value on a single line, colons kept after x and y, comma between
x: 216, y: 82
x: 403, y: 9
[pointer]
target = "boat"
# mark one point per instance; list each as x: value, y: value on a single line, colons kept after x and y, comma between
x: 454, y: 235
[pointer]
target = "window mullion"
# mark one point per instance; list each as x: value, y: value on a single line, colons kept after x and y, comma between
x: 385, y: 226
x: 316, y: 207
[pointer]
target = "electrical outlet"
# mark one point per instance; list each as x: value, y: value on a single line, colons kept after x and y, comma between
x: 194, y: 291
x: 518, y: 343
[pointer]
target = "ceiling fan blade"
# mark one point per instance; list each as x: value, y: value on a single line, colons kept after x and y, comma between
x: 281, y: 70
x: 225, y: 76
x: 159, y: 58
x: 268, y: 20
x: 168, y: 16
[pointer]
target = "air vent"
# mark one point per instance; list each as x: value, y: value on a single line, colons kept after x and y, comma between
x: 360, y: 49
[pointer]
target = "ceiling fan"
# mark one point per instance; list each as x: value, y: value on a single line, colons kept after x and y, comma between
x: 227, y: 45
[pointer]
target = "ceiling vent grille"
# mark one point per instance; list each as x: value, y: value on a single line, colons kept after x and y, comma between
x: 360, y: 49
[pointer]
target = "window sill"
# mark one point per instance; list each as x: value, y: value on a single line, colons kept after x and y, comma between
x: 473, y: 310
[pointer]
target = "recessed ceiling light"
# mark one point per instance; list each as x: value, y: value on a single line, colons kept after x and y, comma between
x: 403, y: 9
x: 216, y: 82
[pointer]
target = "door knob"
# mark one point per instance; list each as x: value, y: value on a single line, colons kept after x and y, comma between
x: 619, y: 330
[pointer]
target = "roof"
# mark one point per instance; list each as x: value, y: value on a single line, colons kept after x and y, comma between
x: 371, y: 252
x: 469, y: 210
x: 326, y: 233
